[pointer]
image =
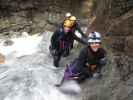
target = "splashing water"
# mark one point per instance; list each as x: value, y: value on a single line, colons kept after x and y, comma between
x: 28, y: 73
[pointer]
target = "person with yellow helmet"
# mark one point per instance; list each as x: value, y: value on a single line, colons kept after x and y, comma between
x: 73, y: 19
x: 76, y: 27
x: 68, y: 23
x: 62, y: 40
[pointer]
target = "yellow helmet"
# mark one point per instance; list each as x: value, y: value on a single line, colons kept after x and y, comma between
x: 68, y: 23
x: 73, y: 18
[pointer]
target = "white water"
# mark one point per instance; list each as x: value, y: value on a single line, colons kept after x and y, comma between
x: 28, y: 73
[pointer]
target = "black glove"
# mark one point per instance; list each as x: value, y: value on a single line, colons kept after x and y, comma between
x: 103, y: 61
x: 97, y: 75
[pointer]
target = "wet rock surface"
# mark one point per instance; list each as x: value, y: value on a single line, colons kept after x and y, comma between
x: 34, y: 16
x: 113, y: 18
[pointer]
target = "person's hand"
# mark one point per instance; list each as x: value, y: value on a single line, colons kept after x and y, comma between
x: 103, y: 61
x: 96, y: 75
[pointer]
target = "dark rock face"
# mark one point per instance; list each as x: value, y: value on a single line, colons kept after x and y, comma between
x: 34, y: 16
x: 114, y: 18
x: 32, y: 6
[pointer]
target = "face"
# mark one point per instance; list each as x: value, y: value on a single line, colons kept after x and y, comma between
x: 95, y: 46
x: 67, y: 29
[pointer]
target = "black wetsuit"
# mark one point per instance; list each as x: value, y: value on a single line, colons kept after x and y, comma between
x: 87, y: 58
x: 61, y: 41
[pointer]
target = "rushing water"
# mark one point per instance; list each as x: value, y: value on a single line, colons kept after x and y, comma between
x: 28, y: 73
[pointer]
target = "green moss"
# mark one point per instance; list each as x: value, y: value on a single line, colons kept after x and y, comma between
x: 4, y: 23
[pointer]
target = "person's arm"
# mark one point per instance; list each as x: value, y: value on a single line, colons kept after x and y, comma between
x: 54, y: 39
x: 102, y: 61
x: 81, y: 40
x: 79, y: 30
x: 81, y: 59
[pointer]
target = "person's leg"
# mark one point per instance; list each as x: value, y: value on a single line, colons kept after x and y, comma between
x: 66, y: 52
x: 57, y: 57
x: 56, y: 60
x: 66, y: 49
x: 65, y: 77
x: 85, y: 73
x: 51, y: 50
x: 71, y: 46
x: 81, y: 78
x: 58, y: 85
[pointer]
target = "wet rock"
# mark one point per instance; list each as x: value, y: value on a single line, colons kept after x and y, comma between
x: 8, y: 43
x: 44, y: 14
x: 129, y: 46
x: 113, y: 18
x: 25, y: 34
